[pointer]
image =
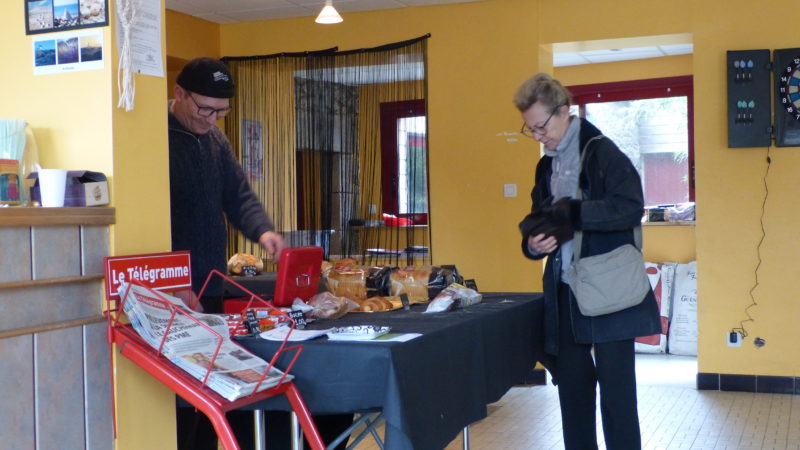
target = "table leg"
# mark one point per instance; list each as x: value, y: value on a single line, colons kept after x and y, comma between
x: 465, y: 434
x: 297, y: 433
x: 258, y: 418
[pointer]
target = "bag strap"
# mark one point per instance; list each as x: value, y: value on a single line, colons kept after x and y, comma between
x: 577, y: 240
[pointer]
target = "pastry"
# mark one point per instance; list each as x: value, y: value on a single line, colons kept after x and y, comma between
x: 240, y: 260
x: 377, y: 304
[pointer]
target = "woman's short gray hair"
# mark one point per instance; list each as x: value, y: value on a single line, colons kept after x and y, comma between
x: 544, y: 89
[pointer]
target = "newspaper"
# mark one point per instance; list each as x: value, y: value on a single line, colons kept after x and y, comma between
x: 190, y: 346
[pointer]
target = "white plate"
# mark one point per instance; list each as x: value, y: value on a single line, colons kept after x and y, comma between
x: 357, y: 333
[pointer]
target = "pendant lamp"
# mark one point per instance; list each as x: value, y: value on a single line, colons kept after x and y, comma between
x: 328, y: 15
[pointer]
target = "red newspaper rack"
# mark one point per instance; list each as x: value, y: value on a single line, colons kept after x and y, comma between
x: 149, y: 271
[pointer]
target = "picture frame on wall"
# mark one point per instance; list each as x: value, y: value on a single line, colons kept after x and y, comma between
x: 47, y: 16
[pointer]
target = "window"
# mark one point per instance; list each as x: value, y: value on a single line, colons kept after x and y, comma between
x: 404, y: 174
x: 651, y: 122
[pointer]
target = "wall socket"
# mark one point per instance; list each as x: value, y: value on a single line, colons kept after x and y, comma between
x: 733, y: 339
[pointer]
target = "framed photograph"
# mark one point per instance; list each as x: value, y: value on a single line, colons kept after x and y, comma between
x: 47, y: 16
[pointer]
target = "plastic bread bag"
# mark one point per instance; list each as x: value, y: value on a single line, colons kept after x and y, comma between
x: 328, y: 306
x: 424, y: 283
x: 452, y: 297
x: 348, y: 282
x: 377, y: 280
x: 441, y: 277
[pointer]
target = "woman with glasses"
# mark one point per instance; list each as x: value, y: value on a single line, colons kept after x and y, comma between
x: 577, y: 154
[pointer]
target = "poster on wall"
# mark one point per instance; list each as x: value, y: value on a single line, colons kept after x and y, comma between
x: 252, y: 150
x: 46, y: 16
x: 142, y: 18
x: 68, y: 52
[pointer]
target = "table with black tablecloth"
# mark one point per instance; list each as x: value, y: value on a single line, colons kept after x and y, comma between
x: 429, y: 388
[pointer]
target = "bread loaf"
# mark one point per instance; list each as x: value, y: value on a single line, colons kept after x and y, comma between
x: 412, y: 282
x: 345, y: 263
x: 240, y: 260
x: 348, y: 283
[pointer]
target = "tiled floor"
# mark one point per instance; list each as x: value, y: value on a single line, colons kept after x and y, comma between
x: 672, y: 413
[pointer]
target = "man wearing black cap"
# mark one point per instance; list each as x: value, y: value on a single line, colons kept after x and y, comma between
x: 207, y: 185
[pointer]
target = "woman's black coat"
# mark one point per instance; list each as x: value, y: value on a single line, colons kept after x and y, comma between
x: 611, y: 208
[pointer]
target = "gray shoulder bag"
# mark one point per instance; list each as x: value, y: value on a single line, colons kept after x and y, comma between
x: 609, y: 282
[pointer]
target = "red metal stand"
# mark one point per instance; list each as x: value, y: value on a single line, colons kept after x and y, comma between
x: 214, y: 406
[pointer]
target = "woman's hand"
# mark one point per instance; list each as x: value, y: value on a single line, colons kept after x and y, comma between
x: 542, y: 244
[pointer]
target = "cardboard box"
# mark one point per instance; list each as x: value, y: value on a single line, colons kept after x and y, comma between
x: 84, y: 188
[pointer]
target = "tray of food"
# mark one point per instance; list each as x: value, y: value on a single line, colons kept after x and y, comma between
x: 357, y: 333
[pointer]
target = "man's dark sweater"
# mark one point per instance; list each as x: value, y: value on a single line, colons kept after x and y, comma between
x: 206, y: 185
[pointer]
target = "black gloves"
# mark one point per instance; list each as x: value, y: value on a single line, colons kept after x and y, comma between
x: 563, y: 210
x: 556, y: 219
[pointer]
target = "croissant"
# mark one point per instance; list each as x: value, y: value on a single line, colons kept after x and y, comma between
x: 376, y: 304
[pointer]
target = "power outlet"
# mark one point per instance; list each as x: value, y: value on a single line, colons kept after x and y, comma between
x: 733, y: 339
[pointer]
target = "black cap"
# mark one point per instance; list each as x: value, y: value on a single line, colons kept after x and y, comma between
x: 207, y: 76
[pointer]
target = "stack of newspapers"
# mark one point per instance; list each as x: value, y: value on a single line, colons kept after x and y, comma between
x: 234, y: 373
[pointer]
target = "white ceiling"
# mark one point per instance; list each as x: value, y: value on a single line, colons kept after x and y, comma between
x: 619, y: 54
x: 232, y: 11
x: 564, y: 54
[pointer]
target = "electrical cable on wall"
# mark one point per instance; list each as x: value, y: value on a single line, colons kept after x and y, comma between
x: 741, y: 329
x: 127, y: 13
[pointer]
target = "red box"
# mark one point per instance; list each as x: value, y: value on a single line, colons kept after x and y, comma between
x: 298, y: 274
x: 298, y: 277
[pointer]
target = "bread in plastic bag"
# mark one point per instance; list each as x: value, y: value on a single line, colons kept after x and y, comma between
x: 423, y: 284
x: 452, y: 297
x: 328, y: 306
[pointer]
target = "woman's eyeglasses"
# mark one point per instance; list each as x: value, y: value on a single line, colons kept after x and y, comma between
x: 540, y: 130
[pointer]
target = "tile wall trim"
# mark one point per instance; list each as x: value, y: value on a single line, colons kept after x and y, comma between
x: 762, y: 384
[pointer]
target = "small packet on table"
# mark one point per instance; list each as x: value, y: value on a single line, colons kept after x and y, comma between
x: 452, y: 297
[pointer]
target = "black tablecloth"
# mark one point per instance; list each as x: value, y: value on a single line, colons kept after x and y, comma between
x: 429, y: 388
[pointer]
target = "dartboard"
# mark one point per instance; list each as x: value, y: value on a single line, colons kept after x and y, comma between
x: 789, y: 88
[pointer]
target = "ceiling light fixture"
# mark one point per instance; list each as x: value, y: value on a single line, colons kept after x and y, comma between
x: 328, y: 15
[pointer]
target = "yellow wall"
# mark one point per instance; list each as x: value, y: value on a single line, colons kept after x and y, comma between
x: 474, y: 67
x: 69, y: 112
x: 145, y: 408
x: 77, y: 126
x: 730, y: 188
x: 638, y: 69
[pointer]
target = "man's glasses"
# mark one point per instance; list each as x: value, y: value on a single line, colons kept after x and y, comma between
x: 207, y: 111
x: 540, y: 130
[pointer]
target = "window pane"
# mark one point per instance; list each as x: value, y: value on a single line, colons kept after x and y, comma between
x: 412, y: 186
x: 653, y: 133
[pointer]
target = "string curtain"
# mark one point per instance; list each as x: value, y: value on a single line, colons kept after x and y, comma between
x: 306, y: 128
